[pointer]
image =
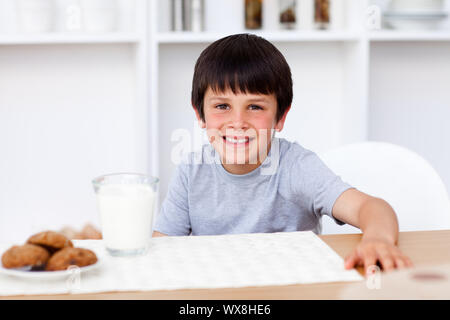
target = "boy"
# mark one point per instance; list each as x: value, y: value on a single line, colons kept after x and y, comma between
x: 246, y: 180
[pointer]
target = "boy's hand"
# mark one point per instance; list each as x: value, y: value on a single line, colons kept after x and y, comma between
x: 371, y: 251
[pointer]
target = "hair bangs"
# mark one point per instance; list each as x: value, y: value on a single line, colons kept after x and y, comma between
x: 251, y: 78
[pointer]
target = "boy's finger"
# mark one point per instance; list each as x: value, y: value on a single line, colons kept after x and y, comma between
x: 387, y: 262
x: 351, y: 260
x: 399, y: 263
x: 370, y: 259
x: 407, y: 262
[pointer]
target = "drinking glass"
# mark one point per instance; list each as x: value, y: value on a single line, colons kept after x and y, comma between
x: 125, y: 203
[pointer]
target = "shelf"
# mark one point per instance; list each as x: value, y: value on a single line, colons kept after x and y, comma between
x: 65, y: 38
x: 391, y: 35
x: 278, y: 36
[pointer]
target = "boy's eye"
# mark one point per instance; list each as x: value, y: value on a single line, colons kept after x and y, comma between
x: 222, y: 107
x: 255, y: 107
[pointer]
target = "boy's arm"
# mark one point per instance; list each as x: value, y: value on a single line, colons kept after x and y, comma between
x: 378, y: 222
x: 158, y: 234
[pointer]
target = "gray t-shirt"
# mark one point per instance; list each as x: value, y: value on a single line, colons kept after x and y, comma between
x: 290, y: 191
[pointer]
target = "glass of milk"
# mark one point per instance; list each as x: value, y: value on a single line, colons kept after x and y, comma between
x: 125, y: 202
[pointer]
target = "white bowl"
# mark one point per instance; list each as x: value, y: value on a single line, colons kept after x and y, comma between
x: 416, y: 5
x: 35, y: 16
x: 410, y: 21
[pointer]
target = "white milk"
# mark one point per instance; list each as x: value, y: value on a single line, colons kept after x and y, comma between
x: 126, y: 214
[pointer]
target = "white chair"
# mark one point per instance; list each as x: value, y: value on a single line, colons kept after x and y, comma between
x: 401, y: 177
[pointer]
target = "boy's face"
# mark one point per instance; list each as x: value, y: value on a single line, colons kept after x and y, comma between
x: 240, y: 126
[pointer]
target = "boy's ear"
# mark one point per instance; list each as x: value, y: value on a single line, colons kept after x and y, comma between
x: 201, y: 123
x: 279, y: 126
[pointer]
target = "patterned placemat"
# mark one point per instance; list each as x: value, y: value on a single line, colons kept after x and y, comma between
x: 199, y: 262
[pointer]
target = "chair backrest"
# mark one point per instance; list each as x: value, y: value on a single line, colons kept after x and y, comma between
x: 401, y: 177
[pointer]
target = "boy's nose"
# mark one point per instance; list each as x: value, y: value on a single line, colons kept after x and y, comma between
x: 239, y: 120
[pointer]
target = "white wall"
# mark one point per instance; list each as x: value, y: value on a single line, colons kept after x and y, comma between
x: 410, y: 99
x: 175, y: 111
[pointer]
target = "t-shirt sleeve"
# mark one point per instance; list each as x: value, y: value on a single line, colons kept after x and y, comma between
x: 313, y: 181
x: 173, y: 218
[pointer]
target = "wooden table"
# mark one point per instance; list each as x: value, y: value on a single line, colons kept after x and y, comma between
x: 425, y: 248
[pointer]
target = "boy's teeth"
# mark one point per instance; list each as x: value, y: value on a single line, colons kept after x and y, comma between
x: 232, y: 140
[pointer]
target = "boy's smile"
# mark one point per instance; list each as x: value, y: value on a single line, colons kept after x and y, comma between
x: 238, y: 141
x: 240, y: 127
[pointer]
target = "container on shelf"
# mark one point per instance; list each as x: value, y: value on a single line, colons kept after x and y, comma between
x: 35, y: 16
x: 187, y: 15
x: 415, y: 14
x: 417, y: 21
x: 176, y: 15
x: 99, y: 15
x: 193, y: 15
x: 288, y: 13
x: 127, y: 21
x: 253, y: 14
x: 69, y: 16
x: 416, y: 6
x: 337, y: 14
x: 305, y: 14
x: 322, y: 14
x: 8, y: 21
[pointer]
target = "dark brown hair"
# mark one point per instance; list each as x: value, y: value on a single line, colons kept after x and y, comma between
x: 244, y: 63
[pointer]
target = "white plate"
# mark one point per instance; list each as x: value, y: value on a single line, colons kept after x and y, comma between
x: 48, y: 275
x: 416, y: 16
x: 399, y: 24
x: 415, y: 22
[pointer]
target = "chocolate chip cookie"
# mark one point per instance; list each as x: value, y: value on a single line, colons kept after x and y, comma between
x: 69, y: 256
x: 27, y: 255
x: 50, y: 240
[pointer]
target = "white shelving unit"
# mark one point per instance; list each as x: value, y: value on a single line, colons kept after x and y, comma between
x: 73, y: 106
